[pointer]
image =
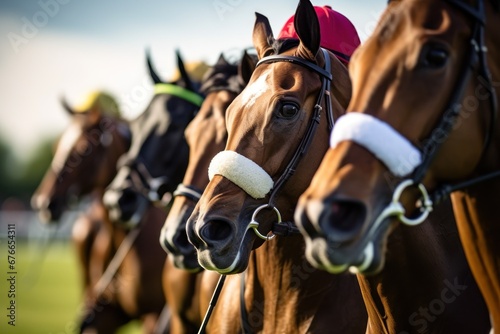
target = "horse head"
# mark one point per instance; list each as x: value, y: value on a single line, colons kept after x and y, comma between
x: 275, y: 141
x: 206, y: 136
x: 413, y: 117
x: 85, y: 157
x: 158, y: 155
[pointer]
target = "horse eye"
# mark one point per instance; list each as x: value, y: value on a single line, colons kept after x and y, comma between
x: 436, y: 58
x: 288, y: 110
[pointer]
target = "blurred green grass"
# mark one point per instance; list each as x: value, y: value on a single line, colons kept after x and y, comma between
x: 48, y: 290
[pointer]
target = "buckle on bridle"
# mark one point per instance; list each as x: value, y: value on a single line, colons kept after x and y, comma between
x: 255, y: 224
x: 395, y: 208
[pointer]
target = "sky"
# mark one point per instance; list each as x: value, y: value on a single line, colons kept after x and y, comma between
x: 50, y: 48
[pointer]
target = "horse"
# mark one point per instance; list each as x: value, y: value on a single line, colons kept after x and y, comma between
x: 275, y: 130
x: 397, y: 154
x: 83, y: 165
x: 154, y: 165
x: 206, y: 136
x: 158, y: 136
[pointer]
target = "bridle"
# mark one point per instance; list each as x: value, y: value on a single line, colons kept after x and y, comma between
x: 279, y: 227
x: 287, y: 228
x: 144, y: 183
x: 231, y: 84
x: 475, y: 61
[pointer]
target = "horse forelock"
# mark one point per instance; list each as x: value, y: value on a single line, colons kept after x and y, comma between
x: 218, y: 78
x: 283, y: 45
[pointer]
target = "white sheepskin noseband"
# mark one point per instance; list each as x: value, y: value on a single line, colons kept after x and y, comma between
x: 243, y: 172
x: 388, y: 145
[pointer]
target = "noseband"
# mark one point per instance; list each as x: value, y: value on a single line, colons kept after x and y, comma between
x: 144, y: 183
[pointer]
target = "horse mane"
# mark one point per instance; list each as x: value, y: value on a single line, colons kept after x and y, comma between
x: 282, y: 45
x: 221, y: 76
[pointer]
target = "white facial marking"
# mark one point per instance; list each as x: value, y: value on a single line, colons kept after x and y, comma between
x: 66, y: 144
x: 254, y: 90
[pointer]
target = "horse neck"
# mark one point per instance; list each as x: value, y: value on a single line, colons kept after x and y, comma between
x: 283, y: 291
x: 279, y: 279
x: 425, y: 264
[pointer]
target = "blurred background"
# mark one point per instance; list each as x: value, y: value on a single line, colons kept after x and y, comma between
x: 51, y: 48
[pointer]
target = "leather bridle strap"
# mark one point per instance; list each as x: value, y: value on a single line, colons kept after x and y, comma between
x: 326, y: 77
x: 142, y: 181
x: 189, y: 191
x: 289, y: 228
x: 325, y: 73
x: 476, y: 57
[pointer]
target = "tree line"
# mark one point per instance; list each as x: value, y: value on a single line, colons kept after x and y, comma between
x: 19, y: 178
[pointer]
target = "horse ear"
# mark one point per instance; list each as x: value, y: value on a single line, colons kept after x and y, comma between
x: 182, y: 70
x: 307, y: 27
x: 66, y: 106
x: 221, y: 60
x: 246, y: 67
x: 262, y: 37
x: 152, y: 72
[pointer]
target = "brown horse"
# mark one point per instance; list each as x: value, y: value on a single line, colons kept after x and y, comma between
x: 206, y: 136
x: 396, y: 129
x: 281, y: 105
x: 94, y: 141
x: 83, y: 165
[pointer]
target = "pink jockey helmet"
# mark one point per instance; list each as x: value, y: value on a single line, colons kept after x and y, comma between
x: 337, y: 33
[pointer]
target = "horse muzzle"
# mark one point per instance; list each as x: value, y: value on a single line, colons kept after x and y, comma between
x: 219, y: 247
x: 338, y: 237
x: 175, y: 242
x: 125, y: 206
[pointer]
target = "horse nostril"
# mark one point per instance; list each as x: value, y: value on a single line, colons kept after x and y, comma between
x: 182, y: 242
x: 216, y: 230
x: 342, y: 219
